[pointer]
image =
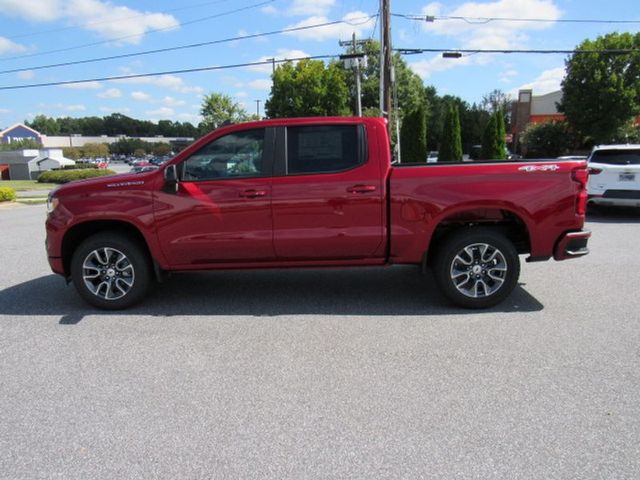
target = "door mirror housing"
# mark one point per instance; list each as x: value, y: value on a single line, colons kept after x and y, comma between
x: 171, y: 179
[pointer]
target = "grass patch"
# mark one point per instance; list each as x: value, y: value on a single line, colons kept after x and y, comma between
x: 23, y: 185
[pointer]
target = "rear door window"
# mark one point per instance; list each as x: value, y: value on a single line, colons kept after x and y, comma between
x: 324, y: 148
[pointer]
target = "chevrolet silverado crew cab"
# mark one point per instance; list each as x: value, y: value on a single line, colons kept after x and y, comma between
x: 315, y: 192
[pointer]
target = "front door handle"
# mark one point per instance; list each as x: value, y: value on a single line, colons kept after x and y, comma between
x: 361, y: 189
x: 253, y: 193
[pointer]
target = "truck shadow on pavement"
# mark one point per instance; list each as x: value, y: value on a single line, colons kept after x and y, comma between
x: 373, y: 291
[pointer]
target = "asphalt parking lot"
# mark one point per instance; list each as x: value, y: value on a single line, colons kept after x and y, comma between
x: 361, y: 374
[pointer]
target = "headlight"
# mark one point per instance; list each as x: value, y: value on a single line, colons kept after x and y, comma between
x: 52, y: 203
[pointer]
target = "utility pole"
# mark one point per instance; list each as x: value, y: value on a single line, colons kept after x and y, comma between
x: 258, y: 109
x: 385, y: 60
x: 273, y: 64
x: 354, y: 59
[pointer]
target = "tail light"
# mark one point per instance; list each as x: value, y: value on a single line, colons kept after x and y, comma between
x: 580, y: 175
x: 594, y: 171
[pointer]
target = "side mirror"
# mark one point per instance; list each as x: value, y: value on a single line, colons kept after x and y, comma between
x: 171, y: 179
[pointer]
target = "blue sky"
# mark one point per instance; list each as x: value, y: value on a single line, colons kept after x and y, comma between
x: 31, y: 31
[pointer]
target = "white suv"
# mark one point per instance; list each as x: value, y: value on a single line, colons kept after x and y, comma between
x: 615, y: 175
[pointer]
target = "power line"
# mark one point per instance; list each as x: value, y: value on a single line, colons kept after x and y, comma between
x: 484, y: 20
x: 167, y: 72
x: 352, y: 21
x: 610, y: 51
x: 102, y: 22
x: 164, y: 29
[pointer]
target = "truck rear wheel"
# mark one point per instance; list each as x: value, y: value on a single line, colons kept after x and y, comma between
x: 111, y: 271
x: 476, y: 268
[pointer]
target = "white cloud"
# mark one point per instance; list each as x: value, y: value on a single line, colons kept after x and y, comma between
x: 109, y: 21
x: 141, y: 96
x: 189, y: 117
x: 5, y: 110
x: 241, y: 94
x: 7, y: 46
x: 282, y: 54
x: 170, y: 82
x: 262, y: 84
x: 358, y: 22
x: 426, y: 68
x: 311, y: 7
x: 115, y: 109
x: 172, y: 102
x: 62, y: 106
x: 547, y: 82
x: 75, y: 108
x: 270, y: 10
x: 26, y: 75
x: 161, y: 112
x: 507, y: 76
x: 111, y: 93
x: 36, y: 10
x: 495, y: 34
x: 83, y: 86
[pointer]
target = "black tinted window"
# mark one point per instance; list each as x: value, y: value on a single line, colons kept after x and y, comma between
x: 327, y: 148
x: 235, y: 155
x: 617, y: 157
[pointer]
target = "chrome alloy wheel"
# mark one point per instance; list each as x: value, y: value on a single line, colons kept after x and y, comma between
x: 108, y: 273
x: 478, y: 270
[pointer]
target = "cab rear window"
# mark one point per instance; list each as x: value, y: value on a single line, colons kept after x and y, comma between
x: 616, y: 157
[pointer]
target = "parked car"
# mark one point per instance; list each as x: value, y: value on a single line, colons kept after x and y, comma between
x: 615, y: 175
x: 432, y: 157
x: 315, y: 192
x: 143, y: 168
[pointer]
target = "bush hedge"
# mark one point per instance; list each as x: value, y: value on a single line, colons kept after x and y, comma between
x: 64, y: 176
x: 7, y: 194
x: 80, y: 166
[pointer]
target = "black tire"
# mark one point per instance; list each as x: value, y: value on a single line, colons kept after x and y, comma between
x: 476, y: 267
x: 111, y: 271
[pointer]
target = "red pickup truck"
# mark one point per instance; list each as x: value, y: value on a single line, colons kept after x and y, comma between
x: 315, y: 192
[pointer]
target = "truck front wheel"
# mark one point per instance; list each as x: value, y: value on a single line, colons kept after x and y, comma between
x: 476, y: 268
x: 111, y: 271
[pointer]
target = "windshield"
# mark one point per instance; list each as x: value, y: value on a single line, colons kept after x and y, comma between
x: 616, y: 157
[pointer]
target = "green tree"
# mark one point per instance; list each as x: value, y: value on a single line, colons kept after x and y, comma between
x: 94, y: 150
x: 45, y: 125
x: 72, y: 153
x: 501, y: 145
x: 489, y: 143
x: 413, y: 136
x: 307, y: 89
x: 410, y: 88
x: 451, y: 144
x: 601, y: 91
x: 161, y: 149
x: 218, y: 108
x: 546, y: 140
x: 628, y: 133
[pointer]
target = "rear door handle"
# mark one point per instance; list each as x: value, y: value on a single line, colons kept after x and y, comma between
x: 361, y: 189
x: 253, y: 193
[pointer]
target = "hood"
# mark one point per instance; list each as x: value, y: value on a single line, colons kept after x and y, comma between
x: 118, y: 181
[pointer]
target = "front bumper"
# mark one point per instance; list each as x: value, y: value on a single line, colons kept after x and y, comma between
x: 572, y: 245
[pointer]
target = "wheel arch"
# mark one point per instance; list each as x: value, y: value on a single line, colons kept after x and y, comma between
x: 81, y: 231
x: 506, y: 221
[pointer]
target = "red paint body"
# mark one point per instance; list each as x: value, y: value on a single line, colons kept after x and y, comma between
x: 373, y: 214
